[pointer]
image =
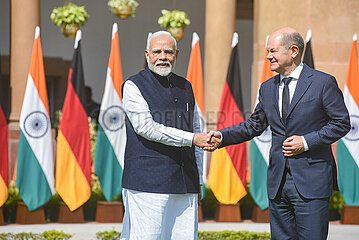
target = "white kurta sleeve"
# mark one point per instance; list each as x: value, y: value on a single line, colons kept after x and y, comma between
x: 198, y: 152
x: 138, y: 112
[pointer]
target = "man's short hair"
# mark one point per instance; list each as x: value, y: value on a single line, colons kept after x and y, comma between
x: 160, y: 33
x: 289, y: 39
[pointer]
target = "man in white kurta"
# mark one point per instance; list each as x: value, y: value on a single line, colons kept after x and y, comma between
x: 162, y: 169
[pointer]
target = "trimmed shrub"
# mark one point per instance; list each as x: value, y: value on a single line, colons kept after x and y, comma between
x: 207, y: 235
x: 232, y: 235
x: 46, y: 235
x: 108, y: 235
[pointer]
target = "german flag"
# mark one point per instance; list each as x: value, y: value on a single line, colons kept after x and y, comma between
x: 4, y: 155
x: 227, y: 174
x: 73, y: 161
x: 4, y: 159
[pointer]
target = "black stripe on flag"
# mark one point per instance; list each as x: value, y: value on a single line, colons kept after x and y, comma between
x: 77, y: 77
x: 4, y: 94
x: 234, y: 78
x: 308, y: 56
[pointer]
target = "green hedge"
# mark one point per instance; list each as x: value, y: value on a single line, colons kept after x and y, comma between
x: 108, y: 235
x: 232, y: 235
x: 207, y: 235
x: 46, y: 235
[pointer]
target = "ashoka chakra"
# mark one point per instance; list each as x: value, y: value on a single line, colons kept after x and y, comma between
x: 353, y: 134
x: 113, y: 118
x: 36, y: 124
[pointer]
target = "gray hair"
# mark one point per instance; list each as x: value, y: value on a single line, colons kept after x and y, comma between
x: 160, y: 33
x: 289, y: 39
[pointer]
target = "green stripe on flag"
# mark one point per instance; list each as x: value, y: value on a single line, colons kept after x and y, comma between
x: 203, y: 191
x: 258, y: 183
x: 348, y: 175
x: 30, y: 178
x: 107, y: 167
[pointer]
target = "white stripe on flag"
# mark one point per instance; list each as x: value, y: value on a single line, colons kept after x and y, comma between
x: 263, y: 141
x: 353, y: 109
x: 111, y: 100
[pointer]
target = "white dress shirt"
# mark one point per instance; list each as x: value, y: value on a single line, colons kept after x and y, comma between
x: 292, y: 85
x: 138, y: 112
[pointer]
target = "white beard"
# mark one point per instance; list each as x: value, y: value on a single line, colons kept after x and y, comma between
x: 164, y: 72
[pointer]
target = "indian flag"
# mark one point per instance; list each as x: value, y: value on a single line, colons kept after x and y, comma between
x: 348, y: 146
x: 195, y: 76
x: 259, y: 151
x: 35, y: 166
x: 111, y: 134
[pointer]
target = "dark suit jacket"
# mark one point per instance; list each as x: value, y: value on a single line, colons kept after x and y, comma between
x: 317, y: 112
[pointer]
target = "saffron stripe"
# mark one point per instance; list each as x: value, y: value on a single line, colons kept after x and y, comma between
x: 115, y: 62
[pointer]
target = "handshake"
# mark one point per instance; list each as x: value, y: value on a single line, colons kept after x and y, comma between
x: 207, y: 141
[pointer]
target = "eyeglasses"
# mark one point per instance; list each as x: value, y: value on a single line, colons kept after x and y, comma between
x: 167, y: 52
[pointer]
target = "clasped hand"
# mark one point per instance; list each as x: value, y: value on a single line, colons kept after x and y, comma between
x: 207, y: 141
x: 212, y: 140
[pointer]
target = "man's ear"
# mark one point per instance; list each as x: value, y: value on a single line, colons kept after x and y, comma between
x: 146, y: 55
x: 295, y: 51
x: 177, y: 51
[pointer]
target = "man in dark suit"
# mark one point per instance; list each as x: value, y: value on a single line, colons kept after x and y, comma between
x: 306, y: 113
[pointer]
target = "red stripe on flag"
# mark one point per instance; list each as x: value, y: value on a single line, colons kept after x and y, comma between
x: 4, y: 156
x: 229, y: 116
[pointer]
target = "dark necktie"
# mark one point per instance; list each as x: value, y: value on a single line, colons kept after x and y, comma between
x: 285, y: 99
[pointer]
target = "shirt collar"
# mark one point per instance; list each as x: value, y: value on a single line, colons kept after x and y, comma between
x: 295, y: 74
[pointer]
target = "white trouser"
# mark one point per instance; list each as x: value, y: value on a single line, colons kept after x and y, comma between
x: 154, y: 216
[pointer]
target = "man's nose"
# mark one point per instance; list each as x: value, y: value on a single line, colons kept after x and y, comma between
x: 162, y: 55
x: 269, y: 56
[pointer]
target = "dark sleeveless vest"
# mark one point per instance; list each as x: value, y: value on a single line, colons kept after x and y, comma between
x: 155, y: 167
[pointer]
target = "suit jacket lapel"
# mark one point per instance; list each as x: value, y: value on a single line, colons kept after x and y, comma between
x: 302, y: 86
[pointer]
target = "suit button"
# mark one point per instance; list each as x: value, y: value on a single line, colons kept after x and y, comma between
x: 182, y: 164
x: 179, y: 116
x: 176, y: 100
